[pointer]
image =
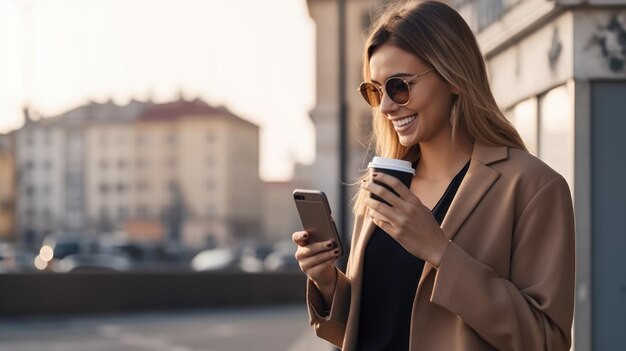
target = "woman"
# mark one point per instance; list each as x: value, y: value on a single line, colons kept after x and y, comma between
x: 478, y: 254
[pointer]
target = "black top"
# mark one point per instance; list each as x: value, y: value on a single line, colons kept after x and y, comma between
x: 390, y: 277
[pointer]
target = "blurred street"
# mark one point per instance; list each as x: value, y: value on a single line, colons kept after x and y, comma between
x: 276, y: 329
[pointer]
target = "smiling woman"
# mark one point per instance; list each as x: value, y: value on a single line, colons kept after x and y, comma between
x: 478, y: 252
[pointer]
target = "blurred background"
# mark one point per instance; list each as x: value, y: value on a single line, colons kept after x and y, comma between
x: 148, y: 151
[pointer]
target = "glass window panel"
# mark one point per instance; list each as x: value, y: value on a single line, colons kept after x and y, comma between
x: 524, y: 118
x: 556, y: 132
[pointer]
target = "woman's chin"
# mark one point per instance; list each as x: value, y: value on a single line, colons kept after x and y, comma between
x: 408, y: 140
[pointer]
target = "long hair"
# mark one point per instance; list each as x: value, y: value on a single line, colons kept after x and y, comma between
x: 439, y: 36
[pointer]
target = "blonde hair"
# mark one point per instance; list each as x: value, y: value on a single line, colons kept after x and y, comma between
x: 439, y: 36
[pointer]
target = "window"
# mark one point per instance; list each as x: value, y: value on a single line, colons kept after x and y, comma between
x: 104, y: 188
x: 29, y: 189
x: 172, y: 139
x: 141, y: 163
x: 142, y: 186
x: 524, y: 117
x: 47, y: 189
x: 210, y: 137
x: 142, y: 139
x: 171, y: 162
x: 122, y: 212
x: 142, y: 211
x: 171, y: 185
x: 556, y: 134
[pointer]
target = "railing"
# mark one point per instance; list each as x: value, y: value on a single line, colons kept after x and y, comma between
x: 68, y: 293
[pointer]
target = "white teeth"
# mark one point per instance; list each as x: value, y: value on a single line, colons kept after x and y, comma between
x: 404, y: 121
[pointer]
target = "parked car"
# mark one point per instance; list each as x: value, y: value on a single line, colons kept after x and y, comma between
x: 92, y: 262
x: 15, y: 258
x: 221, y: 259
x: 64, y: 244
x: 253, y: 256
x: 282, y: 258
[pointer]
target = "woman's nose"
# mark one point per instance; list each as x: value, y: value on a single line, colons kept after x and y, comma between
x: 387, y: 105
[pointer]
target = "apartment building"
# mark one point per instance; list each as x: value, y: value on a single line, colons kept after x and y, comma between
x: 110, y: 163
x: 207, y: 160
x: 7, y: 187
x: 41, y: 187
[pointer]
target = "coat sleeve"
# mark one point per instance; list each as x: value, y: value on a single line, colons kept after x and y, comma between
x: 533, y: 309
x: 330, y: 325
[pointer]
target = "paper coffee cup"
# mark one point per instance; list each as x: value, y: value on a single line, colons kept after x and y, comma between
x: 400, y: 169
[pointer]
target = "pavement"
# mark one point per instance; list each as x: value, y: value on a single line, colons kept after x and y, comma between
x: 271, y: 328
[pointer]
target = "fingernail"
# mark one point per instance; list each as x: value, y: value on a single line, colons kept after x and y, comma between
x: 374, y: 175
x: 364, y: 180
x: 336, y: 252
x: 305, y: 235
x: 329, y: 244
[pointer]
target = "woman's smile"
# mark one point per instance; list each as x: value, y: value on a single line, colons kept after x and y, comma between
x: 402, y: 125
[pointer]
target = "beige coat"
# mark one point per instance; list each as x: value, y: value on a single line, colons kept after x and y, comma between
x: 506, y: 281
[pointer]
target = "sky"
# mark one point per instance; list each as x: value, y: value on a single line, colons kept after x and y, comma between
x: 255, y: 57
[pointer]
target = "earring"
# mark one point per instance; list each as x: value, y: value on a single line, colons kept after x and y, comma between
x: 453, y: 114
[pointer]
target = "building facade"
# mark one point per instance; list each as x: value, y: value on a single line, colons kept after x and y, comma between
x: 206, y: 158
x: 7, y: 187
x: 183, y: 172
x: 280, y: 217
x: 325, y: 114
x: 557, y: 69
x: 41, y: 187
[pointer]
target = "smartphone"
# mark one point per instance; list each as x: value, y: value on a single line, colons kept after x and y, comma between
x: 316, y: 216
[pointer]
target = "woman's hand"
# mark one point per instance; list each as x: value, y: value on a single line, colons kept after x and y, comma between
x: 316, y: 260
x: 409, y: 222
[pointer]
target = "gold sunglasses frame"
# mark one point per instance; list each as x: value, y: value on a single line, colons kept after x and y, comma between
x: 381, y: 89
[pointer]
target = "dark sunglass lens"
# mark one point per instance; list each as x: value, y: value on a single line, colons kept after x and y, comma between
x: 397, y: 90
x: 370, y: 94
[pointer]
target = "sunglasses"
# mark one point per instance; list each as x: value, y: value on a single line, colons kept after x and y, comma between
x: 397, y: 88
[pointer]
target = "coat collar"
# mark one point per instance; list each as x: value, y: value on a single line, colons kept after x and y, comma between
x: 478, y: 180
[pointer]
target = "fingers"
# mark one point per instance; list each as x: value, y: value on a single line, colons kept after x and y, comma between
x: 309, y: 250
x: 403, y: 192
x: 300, y: 238
x: 315, y: 259
x: 379, y: 218
x: 377, y: 188
x: 310, y: 264
x: 380, y: 208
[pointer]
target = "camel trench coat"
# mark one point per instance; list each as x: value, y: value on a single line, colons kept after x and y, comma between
x: 506, y: 281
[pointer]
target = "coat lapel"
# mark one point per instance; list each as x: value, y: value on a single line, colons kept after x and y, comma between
x: 359, y: 250
x: 477, y: 182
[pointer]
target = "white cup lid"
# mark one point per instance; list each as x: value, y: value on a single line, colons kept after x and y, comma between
x: 392, y: 163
